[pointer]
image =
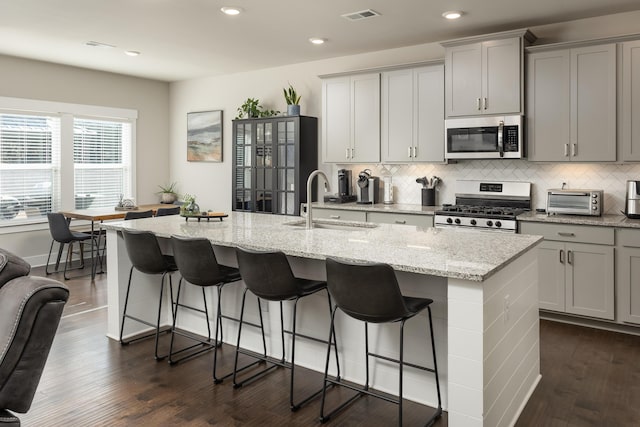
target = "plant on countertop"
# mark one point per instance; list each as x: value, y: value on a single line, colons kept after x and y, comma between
x: 252, y: 109
x: 168, y: 193
x: 189, y: 207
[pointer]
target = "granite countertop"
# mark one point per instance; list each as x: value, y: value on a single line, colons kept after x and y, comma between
x: 450, y: 253
x: 380, y: 207
x: 619, y: 221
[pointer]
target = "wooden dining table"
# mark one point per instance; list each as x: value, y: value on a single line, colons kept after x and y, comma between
x: 98, y: 215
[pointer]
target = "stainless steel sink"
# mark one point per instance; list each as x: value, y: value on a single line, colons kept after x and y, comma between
x: 334, y: 225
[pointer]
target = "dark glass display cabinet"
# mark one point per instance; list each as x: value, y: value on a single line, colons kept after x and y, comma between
x: 272, y: 158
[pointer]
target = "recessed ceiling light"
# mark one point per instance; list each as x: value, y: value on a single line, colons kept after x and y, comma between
x: 452, y: 14
x: 231, y: 10
x: 317, y: 40
x: 131, y: 52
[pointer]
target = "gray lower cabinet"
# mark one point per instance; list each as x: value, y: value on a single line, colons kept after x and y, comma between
x: 576, y: 269
x: 628, y: 275
x: 346, y: 215
x: 400, y: 218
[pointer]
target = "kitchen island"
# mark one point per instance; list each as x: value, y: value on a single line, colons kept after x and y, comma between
x: 484, y: 287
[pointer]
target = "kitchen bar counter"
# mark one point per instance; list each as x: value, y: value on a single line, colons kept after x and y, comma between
x: 484, y: 287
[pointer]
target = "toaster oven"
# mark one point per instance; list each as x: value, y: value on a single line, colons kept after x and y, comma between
x: 575, y: 202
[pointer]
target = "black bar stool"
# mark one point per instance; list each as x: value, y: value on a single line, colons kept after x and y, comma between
x: 268, y: 275
x: 61, y: 233
x: 370, y: 293
x: 146, y: 257
x: 198, y: 265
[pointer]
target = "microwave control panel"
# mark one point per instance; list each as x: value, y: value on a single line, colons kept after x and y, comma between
x: 510, y: 137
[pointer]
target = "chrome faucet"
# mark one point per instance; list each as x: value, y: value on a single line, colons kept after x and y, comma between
x: 309, y: 193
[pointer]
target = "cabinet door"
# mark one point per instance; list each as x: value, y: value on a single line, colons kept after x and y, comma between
x: 628, y: 284
x: 631, y: 101
x: 286, y: 166
x: 593, y: 103
x: 429, y: 114
x: 590, y: 280
x: 501, y: 76
x: 365, y: 118
x: 264, y: 166
x: 346, y: 215
x: 463, y: 82
x: 400, y: 218
x: 243, y: 167
x: 336, y: 123
x: 548, y: 106
x: 551, y: 275
x: 397, y: 116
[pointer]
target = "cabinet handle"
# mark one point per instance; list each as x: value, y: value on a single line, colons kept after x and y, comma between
x: 353, y: 153
x: 566, y: 234
x: 478, y: 104
x: 484, y: 103
x: 574, y: 150
x: 566, y: 150
x: 570, y: 257
x: 346, y: 156
x: 334, y: 216
x: 409, y: 151
x: 415, y: 152
x: 399, y: 221
x: 561, y: 256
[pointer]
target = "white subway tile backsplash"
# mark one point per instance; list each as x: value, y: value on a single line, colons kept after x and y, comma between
x: 608, y: 177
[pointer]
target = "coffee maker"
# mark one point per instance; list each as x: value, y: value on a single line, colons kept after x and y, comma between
x: 632, y: 200
x: 345, y: 189
x: 368, y: 188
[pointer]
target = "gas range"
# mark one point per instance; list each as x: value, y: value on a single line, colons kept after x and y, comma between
x: 484, y: 205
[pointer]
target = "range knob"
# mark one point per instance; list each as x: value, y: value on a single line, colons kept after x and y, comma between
x: 449, y: 221
x: 473, y: 222
x: 498, y: 224
x: 457, y: 221
x: 489, y: 223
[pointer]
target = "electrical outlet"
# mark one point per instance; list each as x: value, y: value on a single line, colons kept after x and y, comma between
x: 505, y: 308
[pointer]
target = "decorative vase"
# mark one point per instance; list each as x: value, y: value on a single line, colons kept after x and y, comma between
x: 168, y: 198
x: 293, y: 110
x: 192, y: 208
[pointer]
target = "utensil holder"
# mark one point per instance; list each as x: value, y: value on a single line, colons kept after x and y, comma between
x: 428, y: 197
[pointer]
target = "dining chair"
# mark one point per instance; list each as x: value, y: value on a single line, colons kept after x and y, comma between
x: 168, y: 211
x: 138, y: 215
x: 61, y: 233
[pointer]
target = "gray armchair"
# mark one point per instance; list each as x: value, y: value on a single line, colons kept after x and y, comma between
x: 29, y: 317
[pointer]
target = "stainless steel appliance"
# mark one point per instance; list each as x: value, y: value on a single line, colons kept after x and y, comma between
x: 632, y: 200
x: 494, y: 137
x: 486, y: 205
x: 368, y: 188
x: 575, y: 202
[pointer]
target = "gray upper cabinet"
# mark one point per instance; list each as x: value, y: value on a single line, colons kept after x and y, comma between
x: 412, y: 115
x: 631, y: 101
x: 486, y: 76
x: 351, y: 119
x: 571, y: 104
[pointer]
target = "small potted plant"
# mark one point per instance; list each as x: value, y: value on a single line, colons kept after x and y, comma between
x: 252, y: 109
x: 293, y: 101
x: 168, y: 193
x: 190, y: 207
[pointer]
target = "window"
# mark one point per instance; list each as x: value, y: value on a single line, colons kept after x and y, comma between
x: 76, y: 158
x: 102, y: 164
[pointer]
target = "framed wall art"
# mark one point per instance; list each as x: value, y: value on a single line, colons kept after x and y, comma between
x: 204, y: 136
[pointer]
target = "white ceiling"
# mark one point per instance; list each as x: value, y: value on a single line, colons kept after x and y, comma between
x: 183, y: 39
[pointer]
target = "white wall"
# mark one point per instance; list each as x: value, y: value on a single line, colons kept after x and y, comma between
x: 211, y: 182
x: 22, y: 78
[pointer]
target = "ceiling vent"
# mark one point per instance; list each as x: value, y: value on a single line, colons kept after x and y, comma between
x: 363, y: 14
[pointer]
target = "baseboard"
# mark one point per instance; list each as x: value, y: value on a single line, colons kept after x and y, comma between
x: 526, y: 400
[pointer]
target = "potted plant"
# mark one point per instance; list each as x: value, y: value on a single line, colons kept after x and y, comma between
x: 252, y: 109
x: 293, y: 101
x: 189, y: 207
x: 168, y: 193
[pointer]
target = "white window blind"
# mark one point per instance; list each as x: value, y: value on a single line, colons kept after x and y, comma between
x: 102, y: 162
x: 29, y: 167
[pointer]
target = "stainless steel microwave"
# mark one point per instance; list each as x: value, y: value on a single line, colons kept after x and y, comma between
x: 496, y: 137
x: 575, y: 202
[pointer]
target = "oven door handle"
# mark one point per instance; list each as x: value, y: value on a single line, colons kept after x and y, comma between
x: 500, y: 138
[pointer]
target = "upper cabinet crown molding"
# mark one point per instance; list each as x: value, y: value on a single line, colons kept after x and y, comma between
x: 383, y: 69
x: 581, y: 43
x: 523, y: 33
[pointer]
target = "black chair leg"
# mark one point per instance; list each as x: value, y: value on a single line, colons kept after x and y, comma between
x: 124, y: 312
x: 438, y: 412
x: 46, y: 267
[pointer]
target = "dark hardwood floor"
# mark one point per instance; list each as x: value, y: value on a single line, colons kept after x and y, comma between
x: 590, y: 378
